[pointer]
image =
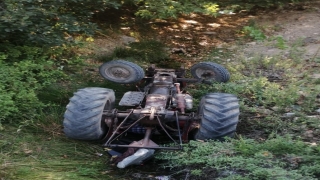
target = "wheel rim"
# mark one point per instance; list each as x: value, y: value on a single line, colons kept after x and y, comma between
x: 205, y: 73
x: 117, y: 72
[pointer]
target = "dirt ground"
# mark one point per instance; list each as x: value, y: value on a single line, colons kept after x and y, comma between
x: 297, y: 26
x: 191, y: 38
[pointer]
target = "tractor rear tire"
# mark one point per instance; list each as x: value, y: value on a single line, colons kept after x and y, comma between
x: 120, y: 71
x: 209, y: 71
x: 219, y: 116
x: 83, y: 117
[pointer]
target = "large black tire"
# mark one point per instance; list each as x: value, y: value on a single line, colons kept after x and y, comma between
x: 83, y: 117
x: 210, y: 71
x: 120, y: 71
x: 219, y: 116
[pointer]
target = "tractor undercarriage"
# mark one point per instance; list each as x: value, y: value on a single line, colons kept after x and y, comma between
x: 160, y: 106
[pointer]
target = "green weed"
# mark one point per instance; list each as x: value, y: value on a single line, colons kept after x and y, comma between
x: 254, y: 33
x: 196, y: 172
x: 280, y: 42
x: 42, y: 153
x: 275, y: 158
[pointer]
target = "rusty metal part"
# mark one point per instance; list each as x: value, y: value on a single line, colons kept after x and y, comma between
x: 145, y: 143
x: 164, y: 90
x: 146, y: 139
x: 152, y: 112
x: 155, y: 109
x: 164, y: 78
x: 181, y: 103
x: 179, y: 132
x: 111, y: 121
x: 187, y: 80
x: 156, y: 100
x: 112, y: 138
x: 178, y: 87
x: 128, y: 153
x: 187, y: 127
x: 116, y: 130
x: 180, y: 99
x: 146, y: 147
x: 168, y: 115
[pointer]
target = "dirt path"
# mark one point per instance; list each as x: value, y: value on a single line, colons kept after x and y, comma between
x: 191, y: 38
x: 298, y: 27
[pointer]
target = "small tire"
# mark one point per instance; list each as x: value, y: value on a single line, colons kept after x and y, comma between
x: 120, y: 71
x: 219, y: 114
x: 83, y: 117
x: 209, y: 71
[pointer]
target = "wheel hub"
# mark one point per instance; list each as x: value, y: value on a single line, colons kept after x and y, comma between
x: 118, y: 72
x: 205, y: 73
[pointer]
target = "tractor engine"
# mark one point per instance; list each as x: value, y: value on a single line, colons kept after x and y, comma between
x: 165, y: 94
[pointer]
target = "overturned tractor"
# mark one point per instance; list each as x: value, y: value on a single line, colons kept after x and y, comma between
x: 159, y: 106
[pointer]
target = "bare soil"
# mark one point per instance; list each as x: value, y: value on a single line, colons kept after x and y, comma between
x: 298, y: 26
x: 190, y: 38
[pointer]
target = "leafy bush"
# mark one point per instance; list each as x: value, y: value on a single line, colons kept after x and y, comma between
x: 48, y: 22
x: 52, y: 22
x: 254, y: 33
x: 22, y: 80
x: 275, y: 158
x: 172, y: 9
x: 169, y: 8
x: 255, y: 92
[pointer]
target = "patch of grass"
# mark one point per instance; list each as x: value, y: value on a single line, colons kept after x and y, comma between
x: 34, y: 154
x: 275, y: 158
x: 267, y: 88
x: 279, y: 42
x: 296, y: 51
x: 254, y: 33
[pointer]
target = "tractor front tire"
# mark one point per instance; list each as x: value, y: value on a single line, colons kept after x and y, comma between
x: 219, y: 114
x: 83, y: 117
x: 209, y: 71
x: 120, y: 71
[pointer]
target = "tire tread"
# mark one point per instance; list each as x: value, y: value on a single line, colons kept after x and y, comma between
x: 82, y: 119
x: 219, y: 116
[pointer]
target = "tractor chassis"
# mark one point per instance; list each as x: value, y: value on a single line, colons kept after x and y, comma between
x: 186, y: 122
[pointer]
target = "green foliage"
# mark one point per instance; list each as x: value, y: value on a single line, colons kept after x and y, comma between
x: 268, y: 87
x: 48, y: 22
x: 265, y: 81
x: 196, y: 172
x: 276, y: 158
x: 255, y: 92
x: 254, y: 33
x: 276, y: 146
x: 53, y: 22
x: 42, y: 153
x: 171, y: 9
x: 248, y: 5
x: 280, y: 42
x: 22, y: 80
